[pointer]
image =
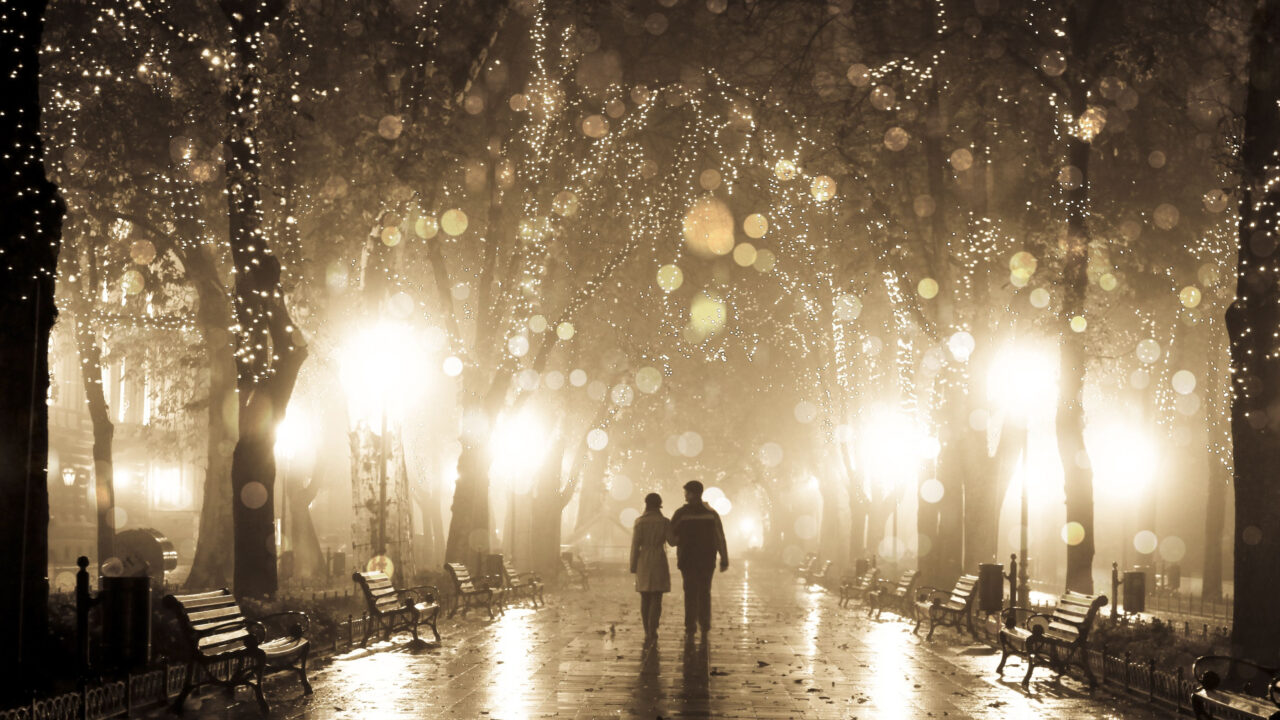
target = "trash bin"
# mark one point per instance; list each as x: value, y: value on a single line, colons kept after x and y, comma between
x: 126, y: 621
x: 1173, y: 576
x: 338, y: 564
x: 861, y: 566
x: 1135, y: 591
x: 990, y: 587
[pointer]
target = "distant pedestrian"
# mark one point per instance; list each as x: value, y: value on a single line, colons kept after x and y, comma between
x: 649, y: 563
x: 698, y: 535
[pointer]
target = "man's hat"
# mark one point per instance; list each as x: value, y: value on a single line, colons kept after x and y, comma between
x: 694, y: 485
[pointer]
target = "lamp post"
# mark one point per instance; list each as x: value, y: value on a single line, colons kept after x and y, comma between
x: 1023, y: 381
x: 381, y: 366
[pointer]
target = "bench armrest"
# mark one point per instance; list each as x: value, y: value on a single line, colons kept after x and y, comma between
x: 428, y: 593
x: 298, y: 629
x: 1022, y: 617
x: 1211, y: 671
x: 928, y: 593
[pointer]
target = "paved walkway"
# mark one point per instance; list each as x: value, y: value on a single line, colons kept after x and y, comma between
x: 777, y: 650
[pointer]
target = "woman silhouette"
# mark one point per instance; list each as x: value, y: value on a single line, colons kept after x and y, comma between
x: 649, y: 563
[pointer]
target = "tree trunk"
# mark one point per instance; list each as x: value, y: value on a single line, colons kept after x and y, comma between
x: 29, y: 240
x: 308, y: 557
x: 269, y: 349
x: 214, y: 559
x: 1076, y: 471
x: 1251, y: 320
x: 103, y: 434
x: 832, y: 541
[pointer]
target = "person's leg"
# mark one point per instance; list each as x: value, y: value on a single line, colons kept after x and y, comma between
x: 646, y: 602
x: 655, y: 613
x: 704, y: 617
x: 690, y: 582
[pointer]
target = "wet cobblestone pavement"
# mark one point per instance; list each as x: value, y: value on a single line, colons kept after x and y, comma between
x: 776, y: 650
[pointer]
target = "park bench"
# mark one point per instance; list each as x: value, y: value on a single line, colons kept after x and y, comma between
x: 944, y: 607
x: 1229, y: 687
x: 391, y: 609
x: 575, y: 570
x: 468, y: 594
x: 857, y: 586
x: 802, y: 570
x: 216, y: 631
x: 818, y: 572
x: 897, y: 596
x: 518, y: 584
x: 1051, y: 639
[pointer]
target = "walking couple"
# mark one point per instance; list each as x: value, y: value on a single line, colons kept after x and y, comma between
x: 698, y: 535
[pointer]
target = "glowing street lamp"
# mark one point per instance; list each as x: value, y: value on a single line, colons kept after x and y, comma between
x: 293, y: 438
x: 517, y: 448
x: 381, y: 369
x: 1023, y: 382
x: 891, y: 448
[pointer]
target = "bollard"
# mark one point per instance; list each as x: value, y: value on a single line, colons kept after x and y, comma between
x: 1012, y: 577
x: 84, y: 602
x: 1115, y: 590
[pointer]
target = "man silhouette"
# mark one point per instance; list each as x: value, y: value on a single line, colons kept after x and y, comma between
x: 698, y: 535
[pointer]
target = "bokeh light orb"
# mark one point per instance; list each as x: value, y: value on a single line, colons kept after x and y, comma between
x: 1108, y: 282
x: 931, y: 491
x: 390, y: 127
x: 708, y: 313
x: 1040, y: 298
x: 764, y: 260
x: 1173, y: 549
x: 744, y: 254
x: 961, y: 159
x: 1166, y: 216
x: 1145, y: 542
x: 1148, y: 351
x: 1073, y: 533
x: 847, y: 307
x: 883, y: 97
x: 1184, y: 382
x: 454, y: 222
x: 785, y: 170
x: 595, y: 126
x: 518, y: 345
x: 452, y: 366
x: 961, y: 345
x: 708, y: 227
x: 1215, y: 201
x: 131, y: 282
x: 755, y: 226
x: 670, y: 278
x: 709, y: 179
x: 1190, y: 296
x: 1079, y: 324
x: 858, y: 75
x: 1053, y: 63
x: 689, y: 444
x: 253, y: 495
x: 565, y: 330
x: 426, y: 227
x: 142, y: 251
x: 597, y: 439
x: 648, y: 380
x: 927, y: 288
x: 770, y: 454
x: 805, y: 412
x: 822, y: 188
x: 538, y: 324
x: 391, y: 236
x: 565, y: 203
x: 896, y: 139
